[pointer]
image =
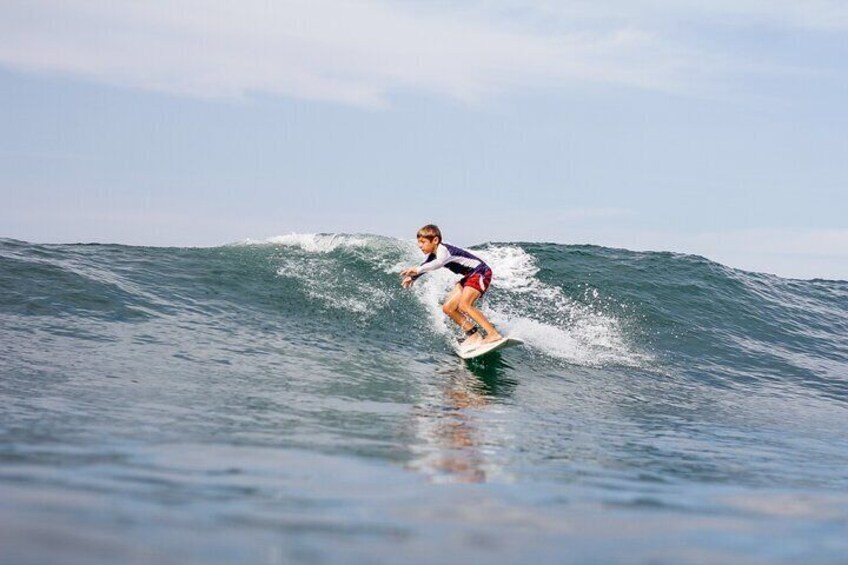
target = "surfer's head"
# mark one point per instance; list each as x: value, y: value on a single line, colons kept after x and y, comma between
x: 429, y: 237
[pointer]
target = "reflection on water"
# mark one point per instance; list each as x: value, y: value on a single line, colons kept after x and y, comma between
x: 449, y: 422
x: 492, y: 372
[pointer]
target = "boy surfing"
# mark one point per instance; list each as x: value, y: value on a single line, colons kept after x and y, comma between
x: 476, y: 276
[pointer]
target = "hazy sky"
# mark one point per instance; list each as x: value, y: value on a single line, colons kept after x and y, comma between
x: 718, y: 127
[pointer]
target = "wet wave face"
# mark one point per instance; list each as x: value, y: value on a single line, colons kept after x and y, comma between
x: 287, y: 401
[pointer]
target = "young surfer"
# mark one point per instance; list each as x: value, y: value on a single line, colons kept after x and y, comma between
x: 476, y: 276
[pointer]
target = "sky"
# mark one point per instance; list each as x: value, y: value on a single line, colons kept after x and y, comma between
x: 717, y: 128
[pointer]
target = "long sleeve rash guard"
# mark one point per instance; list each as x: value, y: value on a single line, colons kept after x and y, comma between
x: 455, y: 259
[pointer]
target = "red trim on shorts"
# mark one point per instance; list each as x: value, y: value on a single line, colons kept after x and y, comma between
x: 478, y: 281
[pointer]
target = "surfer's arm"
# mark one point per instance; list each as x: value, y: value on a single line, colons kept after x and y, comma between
x: 435, y: 261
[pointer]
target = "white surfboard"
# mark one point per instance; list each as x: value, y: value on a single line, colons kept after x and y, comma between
x: 483, y: 348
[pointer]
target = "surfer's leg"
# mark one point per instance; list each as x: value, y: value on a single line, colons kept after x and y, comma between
x: 466, y: 305
x: 451, y: 308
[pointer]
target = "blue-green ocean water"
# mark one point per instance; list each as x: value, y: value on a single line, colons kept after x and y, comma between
x: 288, y: 402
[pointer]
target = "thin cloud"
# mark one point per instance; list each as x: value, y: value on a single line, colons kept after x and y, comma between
x: 349, y: 52
x: 814, y: 15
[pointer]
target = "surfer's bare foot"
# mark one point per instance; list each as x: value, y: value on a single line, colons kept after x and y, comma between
x: 472, y: 340
x: 492, y: 337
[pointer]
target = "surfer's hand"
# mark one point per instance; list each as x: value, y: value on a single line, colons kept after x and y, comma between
x: 410, y: 272
x: 407, y: 282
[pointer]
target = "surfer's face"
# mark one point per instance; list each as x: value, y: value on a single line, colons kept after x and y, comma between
x: 427, y: 245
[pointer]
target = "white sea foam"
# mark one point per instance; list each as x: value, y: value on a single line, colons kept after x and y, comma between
x: 325, y: 282
x: 381, y: 251
x: 516, y: 269
x: 431, y: 292
x: 546, y: 318
x: 324, y: 279
x: 314, y: 242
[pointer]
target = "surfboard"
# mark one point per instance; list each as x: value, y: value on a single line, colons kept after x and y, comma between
x: 485, y: 348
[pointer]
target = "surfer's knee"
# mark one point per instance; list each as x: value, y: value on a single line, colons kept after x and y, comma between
x: 449, y: 307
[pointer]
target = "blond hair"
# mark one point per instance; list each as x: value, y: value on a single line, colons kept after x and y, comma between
x: 430, y: 231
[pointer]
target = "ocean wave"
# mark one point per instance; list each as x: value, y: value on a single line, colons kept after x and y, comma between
x: 578, y: 305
